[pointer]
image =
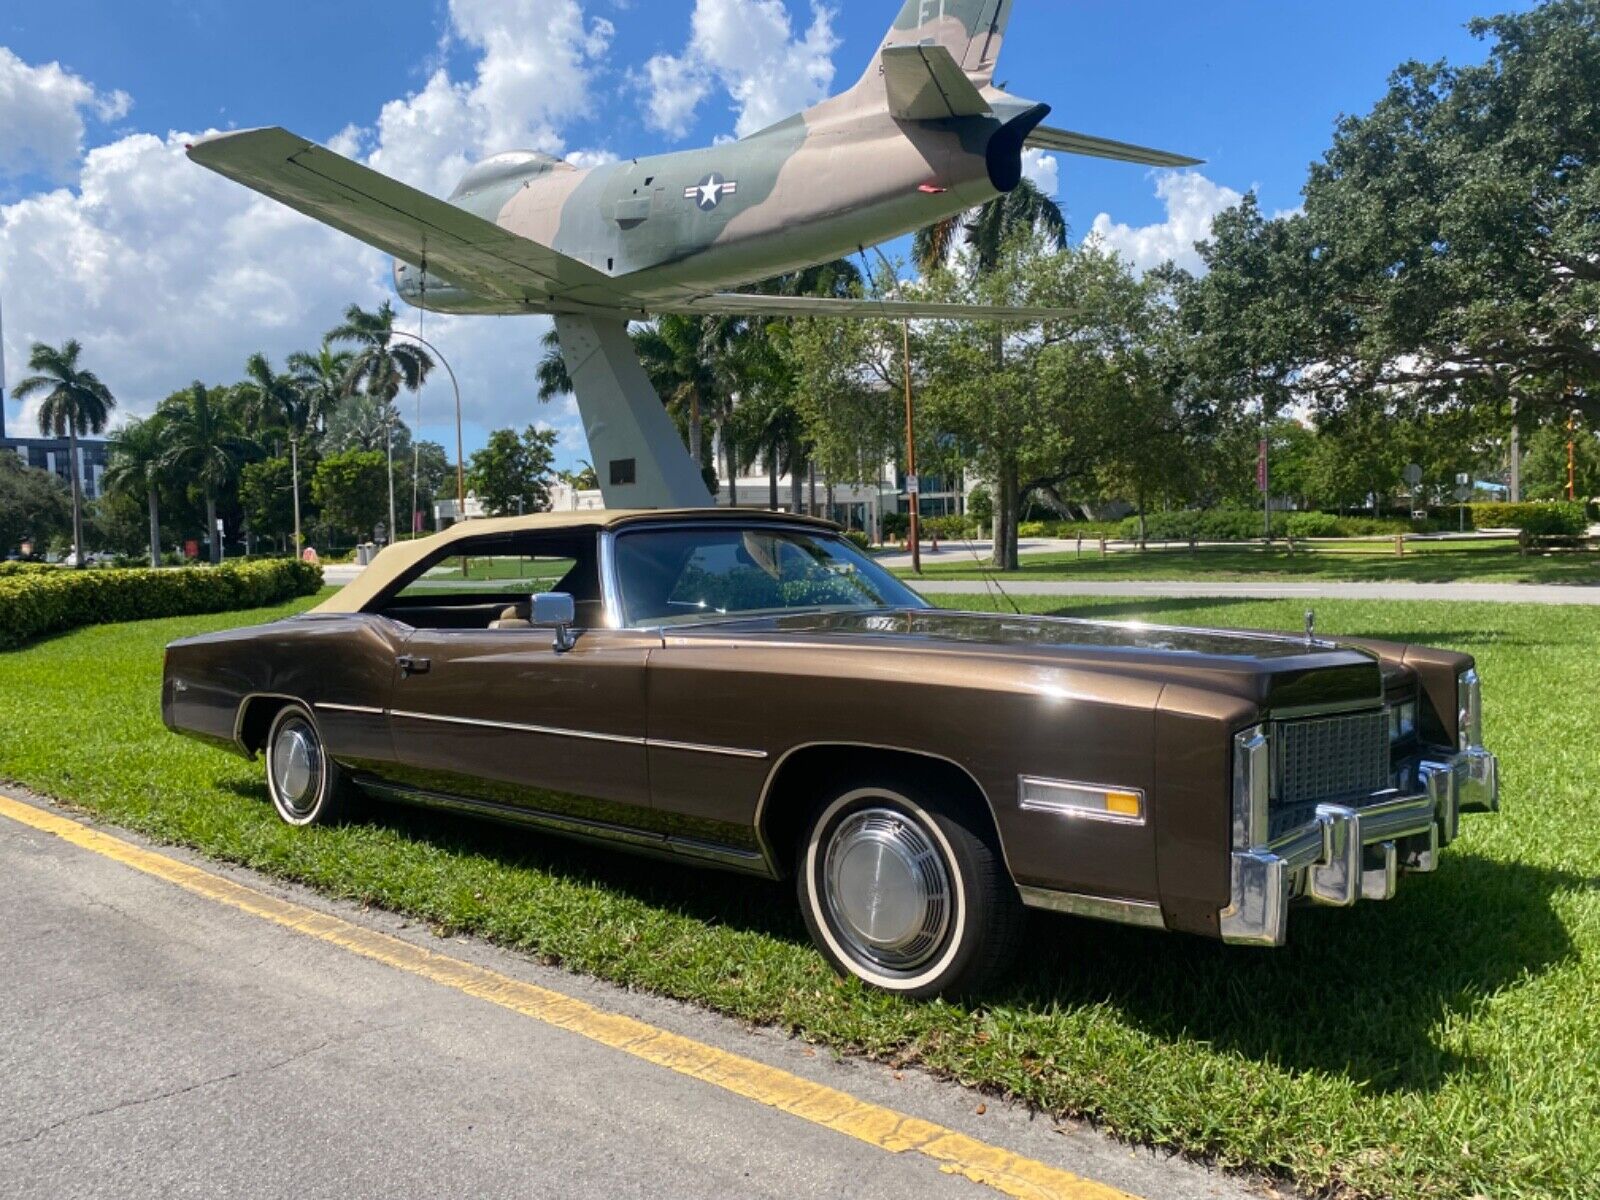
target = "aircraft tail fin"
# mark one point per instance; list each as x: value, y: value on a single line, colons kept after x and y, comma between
x: 971, y: 30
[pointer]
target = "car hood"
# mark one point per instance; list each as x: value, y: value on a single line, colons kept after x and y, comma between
x: 1276, y: 670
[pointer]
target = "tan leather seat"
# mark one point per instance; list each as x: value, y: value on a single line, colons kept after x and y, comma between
x: 515, y: 617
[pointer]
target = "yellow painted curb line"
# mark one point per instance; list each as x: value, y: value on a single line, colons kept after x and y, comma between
x: 957, y: 1154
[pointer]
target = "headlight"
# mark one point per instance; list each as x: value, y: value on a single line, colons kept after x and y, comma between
x: 1469, y: 698
x: 1402, y: 722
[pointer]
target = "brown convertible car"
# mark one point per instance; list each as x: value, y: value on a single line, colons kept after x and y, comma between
x: 749, y: 691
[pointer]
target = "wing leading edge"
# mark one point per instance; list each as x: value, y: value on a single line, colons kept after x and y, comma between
x: 411, y: 225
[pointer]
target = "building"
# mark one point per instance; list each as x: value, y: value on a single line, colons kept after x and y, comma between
x: 51, y: 454
x: 855, y: 506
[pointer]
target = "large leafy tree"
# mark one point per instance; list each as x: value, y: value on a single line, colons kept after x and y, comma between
x: 273, y: 403
x: 205, y: 444
x: 321, y: 378
x: 512, y: 473
x: 74, y: 403
x: 33, y: 504
x: 351, y: 488
x: 1448, y: 254
x: 137, y: 468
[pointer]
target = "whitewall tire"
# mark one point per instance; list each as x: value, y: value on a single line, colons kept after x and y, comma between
x: 906, y: 891
x: 306, y: 785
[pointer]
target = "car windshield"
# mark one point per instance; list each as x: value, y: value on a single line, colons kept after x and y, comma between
x: 669, y: 576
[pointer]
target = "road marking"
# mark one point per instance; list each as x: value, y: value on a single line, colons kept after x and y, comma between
x: 895, y: 1132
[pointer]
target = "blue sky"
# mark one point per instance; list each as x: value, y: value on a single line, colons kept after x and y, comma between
x: 1252, y: 86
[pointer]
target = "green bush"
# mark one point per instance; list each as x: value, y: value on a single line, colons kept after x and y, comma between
x: 950, y: 528
x: 1537, y: 520
x: 861, y: 540
x: 35, y: 603
x: 1213, y: 525
x: 896, y: 525
x: 25, y: 568
x: 1314, y: 525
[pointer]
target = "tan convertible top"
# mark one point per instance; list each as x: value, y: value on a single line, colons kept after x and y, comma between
x: 396, y: 560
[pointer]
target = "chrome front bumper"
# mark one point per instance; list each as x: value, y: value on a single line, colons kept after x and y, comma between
x: 1353, y: 853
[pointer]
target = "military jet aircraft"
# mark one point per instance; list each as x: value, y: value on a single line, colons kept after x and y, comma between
x: 923, y: 135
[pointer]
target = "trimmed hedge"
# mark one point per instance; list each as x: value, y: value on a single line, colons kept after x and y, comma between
x: 33, y: 604
x: 1560, y: 519
x: 1087, y: 530
x: 24, y: 568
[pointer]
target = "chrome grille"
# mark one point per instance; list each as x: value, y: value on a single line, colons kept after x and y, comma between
x: 1330, y: 758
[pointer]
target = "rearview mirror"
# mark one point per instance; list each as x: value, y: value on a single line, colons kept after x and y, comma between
x: 558, y: 611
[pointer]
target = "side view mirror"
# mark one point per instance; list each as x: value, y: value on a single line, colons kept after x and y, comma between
x: 558, y: 611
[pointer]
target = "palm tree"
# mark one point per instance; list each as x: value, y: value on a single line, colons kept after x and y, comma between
x: 380, y: 368
x: 136, y: 467
x: 321, y: 378
x: 986, y: 229
x: 672, y: 353
x: 273, y: 401
x: 75, y: 403
x: 551, y: 374
x: 205, y: 444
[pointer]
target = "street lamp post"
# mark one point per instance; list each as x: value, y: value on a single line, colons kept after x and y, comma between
x: 461, y: 474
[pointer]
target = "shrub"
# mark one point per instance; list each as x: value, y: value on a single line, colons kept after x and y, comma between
x: 861, y: 540
x: 896, y: 525
x: 1214, y: 525
x: 950, y: 528
x: 53, y: 600
x: 1536, y: 520
x: 25, y: 568
x: 1314, y: 525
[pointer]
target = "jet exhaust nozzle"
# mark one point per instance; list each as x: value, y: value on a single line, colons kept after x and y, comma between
x: 1003, y: 156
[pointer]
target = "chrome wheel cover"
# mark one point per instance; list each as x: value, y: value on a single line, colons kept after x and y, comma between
x: 887, y: 890
x: 296, y: 767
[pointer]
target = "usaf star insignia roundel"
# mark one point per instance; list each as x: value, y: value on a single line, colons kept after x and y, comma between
x: 708, y: 193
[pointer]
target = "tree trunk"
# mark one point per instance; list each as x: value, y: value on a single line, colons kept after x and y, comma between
x: 730, y: 458
x: 155, y: 528
x: 772, y: 476
x: 213, y: 539
x: 696, y: 433
x: 294, y: 456
x: 796, y: 484
x: 1516, y: 450
x: 1008, y: 504
x: 811, y: 470
x: 77, y: 495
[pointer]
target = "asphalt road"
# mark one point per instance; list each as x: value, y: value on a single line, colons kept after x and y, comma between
x: 155, y: 1042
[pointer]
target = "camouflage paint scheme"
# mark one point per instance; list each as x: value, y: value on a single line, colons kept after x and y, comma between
x: 923, y: 135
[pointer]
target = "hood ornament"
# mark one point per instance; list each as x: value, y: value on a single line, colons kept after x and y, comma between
x: 1311, y: 627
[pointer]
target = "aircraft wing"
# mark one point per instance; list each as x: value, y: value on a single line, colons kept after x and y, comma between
x: 1066, y: 142
x: 927, y: 84
x: 411, y: 225
x: 757, y: 305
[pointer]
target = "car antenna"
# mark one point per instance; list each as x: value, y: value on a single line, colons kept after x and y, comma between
x: 989, y: 579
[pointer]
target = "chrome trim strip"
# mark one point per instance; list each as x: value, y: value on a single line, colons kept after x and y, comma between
x: 359, y: 709
x: 544, y: 730
x: 1099, y: 908
x: 581, y: 734
x: 654, y: 845
x: 697, y: 748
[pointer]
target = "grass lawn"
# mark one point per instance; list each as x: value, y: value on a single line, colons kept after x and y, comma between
x: 1444, y: 1044
x: 1365, y: 562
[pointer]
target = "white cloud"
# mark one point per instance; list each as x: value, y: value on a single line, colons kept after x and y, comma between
x: 536, y: 71
x: 42, y: 112
x: 1192, y: 201
x: 751, y: 48
x: 1043, y: 170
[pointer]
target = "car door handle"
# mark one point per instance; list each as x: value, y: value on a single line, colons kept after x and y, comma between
x: 410, y: 666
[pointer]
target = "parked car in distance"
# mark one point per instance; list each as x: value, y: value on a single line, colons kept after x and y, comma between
x: 749, y: 691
